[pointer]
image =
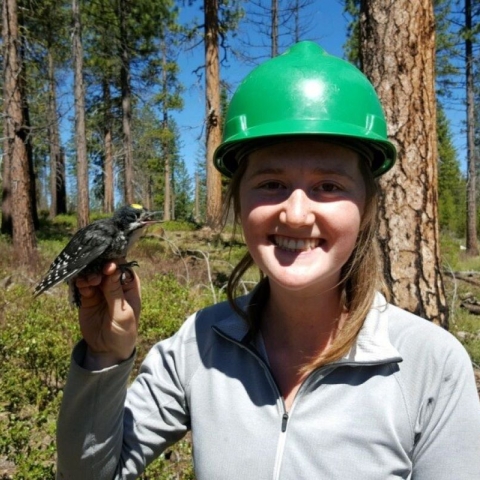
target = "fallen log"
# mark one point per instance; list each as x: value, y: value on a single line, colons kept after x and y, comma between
x: 464, y: 276
x: 471, y: 307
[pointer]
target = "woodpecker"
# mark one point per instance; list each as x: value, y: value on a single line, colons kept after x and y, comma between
x: 96, y: 244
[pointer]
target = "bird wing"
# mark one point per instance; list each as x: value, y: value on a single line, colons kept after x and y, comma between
x: 85, y: 246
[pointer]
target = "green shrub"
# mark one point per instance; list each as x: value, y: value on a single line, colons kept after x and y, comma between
x: 35, y: 343
x: 179, y: 226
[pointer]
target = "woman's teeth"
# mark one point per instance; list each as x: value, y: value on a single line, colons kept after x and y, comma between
x: 296, y: 245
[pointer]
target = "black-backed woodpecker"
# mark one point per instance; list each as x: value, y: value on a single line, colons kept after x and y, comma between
x: 96, y: 244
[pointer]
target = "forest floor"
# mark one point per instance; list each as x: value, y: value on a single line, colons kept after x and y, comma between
x: 190, y: 268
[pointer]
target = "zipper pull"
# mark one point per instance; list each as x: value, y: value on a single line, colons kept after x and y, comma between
x: 284, y: 421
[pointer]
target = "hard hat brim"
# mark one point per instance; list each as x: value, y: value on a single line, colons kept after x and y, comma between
x: 382, y: 153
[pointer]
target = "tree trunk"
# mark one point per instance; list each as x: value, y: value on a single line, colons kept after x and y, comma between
x: 296, y: 13
x: 61, y: 183
x: 53, y: 138
x: 27, y: 125
x: 173, y: 193
x: 19, y: 188
x: 148, y: 196
x: 80, y: 128
x: 126, y: 92
x: 472, y: 242
x: 167, y: 191
x: 7, y: 228
x: 108, y: 185
x: 214, y: 134
x: 398, y: 55
x: 274, y: 28
x: 196, y: 214
x: 166, y: 141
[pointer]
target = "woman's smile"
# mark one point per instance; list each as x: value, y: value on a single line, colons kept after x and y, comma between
x: 295, y: 244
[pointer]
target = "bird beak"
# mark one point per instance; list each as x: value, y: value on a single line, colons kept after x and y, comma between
x: 148, y: 218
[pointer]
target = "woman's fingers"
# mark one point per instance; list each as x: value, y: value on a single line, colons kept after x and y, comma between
x: 113, y: 291
x: 90, y: 286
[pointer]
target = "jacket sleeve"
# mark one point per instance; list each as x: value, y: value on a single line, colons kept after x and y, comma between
x: 447, y: 428
x: 106, y: 432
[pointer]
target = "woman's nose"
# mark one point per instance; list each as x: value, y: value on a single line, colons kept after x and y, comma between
x: 297, y: 210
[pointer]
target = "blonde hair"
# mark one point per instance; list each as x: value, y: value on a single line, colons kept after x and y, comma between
x: 360, y: 276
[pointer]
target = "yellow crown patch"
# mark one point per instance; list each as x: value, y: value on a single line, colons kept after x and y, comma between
x: 137, y: 206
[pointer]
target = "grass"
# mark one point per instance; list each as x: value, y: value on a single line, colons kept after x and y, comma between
x: 458, y: 288
x: 183, y: 268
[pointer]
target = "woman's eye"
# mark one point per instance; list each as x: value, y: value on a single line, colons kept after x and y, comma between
x: 328, y: 187
x: 271, y: 185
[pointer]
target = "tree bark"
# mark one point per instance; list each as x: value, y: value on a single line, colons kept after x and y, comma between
x: 274, y: 20
x: 80, y: 128
x: 19, y: 188
x: 196, y: 214
x: 108, y: 185
x: 214, y: 134
x: 166, y: 142
x: 27, y: 125
x: 398, y: 55
x: 57, y: 176
x: 7, y: 228
x: 126, y: 92
x: 61, y: 183
x: 167, y: 190
x: 472, y: 242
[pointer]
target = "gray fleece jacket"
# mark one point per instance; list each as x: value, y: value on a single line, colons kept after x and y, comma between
x: 401, y: 405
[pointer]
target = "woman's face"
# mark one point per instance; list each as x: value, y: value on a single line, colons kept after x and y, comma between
x: 301, y: 205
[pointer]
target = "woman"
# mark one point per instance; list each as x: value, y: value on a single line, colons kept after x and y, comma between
x: 312, y: 375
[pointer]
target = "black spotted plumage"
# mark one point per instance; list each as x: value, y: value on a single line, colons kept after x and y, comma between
x: 92, y: 246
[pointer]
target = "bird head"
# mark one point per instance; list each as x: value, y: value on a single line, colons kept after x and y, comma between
x: 132, y: 217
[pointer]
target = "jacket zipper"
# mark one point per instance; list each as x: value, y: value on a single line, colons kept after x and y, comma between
x: 273, y: 384
x: 284, y: 422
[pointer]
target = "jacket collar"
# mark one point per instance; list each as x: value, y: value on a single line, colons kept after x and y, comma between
x: 372, y: 345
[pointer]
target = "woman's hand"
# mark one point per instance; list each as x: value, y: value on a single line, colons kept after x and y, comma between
x: 109, y: 315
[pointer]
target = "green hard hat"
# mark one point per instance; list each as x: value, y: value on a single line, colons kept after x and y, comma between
x: 305, y: 92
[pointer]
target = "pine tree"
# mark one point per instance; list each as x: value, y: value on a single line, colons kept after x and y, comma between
x: 168, y: 100
x: 83, y: 207
x: 102, y: 64
x: 46, y: 28
x: 447, y: 72
x: 392, y: 54
x: 17, y: 178
x: 276, y: 25
x: 200, y: 200
x: 469, y: 35
x: 148, y: 137
x: 123, y: 57
x: 352, y: 45
x: 213, y: 113
x: 451, y: 185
